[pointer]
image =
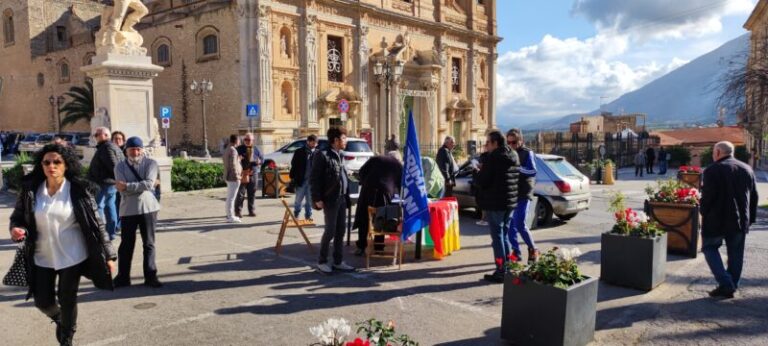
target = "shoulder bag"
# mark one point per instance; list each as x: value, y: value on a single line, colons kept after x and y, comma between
x: 17, y: 275
x: 387, y: 217
x: 155, y: 191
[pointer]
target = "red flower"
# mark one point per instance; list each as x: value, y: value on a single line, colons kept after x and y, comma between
x: 684, y: 168
x: 517, y: 281
x: 512, y: 257
x: 499, y: 261
x: 359, y: 342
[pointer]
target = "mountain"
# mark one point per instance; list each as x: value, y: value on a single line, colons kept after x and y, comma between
x: 685, y: 96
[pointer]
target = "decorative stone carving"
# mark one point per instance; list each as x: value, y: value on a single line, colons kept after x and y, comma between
x: 283, y: 46
x: 363, y: 87
x: 309, y: 72
x: 117, y: 35
x: 265, y: 63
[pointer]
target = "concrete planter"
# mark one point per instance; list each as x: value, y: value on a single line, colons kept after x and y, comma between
x: 691, y: 179
x: 681, y: 221
x: 633, y: 261
x: 536, y: 314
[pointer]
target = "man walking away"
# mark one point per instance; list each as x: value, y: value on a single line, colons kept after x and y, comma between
x: 728, y: 208
x: 447, y: 164
x: 526, y: 182
x: 330, y: 192
x: 650, y: 157
x: 250, y: 161
x: 232, y: 174
x: 662, y: 161
x: 102, y: 172
x: 301, y: 167
x: 497, y: 196
x: 639, y: 163
x: 135, y: 179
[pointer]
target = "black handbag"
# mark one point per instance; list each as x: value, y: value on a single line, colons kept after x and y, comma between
x: 17, y: 275
x: 388, y: 217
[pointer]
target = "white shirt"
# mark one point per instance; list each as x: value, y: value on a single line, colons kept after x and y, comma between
x: 60, y: 242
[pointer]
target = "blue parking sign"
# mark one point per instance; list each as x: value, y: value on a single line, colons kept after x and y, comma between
x: 165, y: 112
x: 252, y: 110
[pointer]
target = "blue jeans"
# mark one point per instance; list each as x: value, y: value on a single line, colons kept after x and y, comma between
x: 663, y: 167
x: 734, y: 244
x: 498, y: 221
x: 107, y: 201
x: 517, y: 225
x: 303, y: 192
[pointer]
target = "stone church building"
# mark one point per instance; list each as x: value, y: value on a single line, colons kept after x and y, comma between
x: 297, y: 59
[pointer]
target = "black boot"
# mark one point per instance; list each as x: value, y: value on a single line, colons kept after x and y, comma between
x: 66, y: 336
x: 57, y: 320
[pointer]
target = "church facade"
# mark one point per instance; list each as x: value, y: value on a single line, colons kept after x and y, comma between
x: 299, y: 60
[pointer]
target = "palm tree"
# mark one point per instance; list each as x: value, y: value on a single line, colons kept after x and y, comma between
x: 81, y: 105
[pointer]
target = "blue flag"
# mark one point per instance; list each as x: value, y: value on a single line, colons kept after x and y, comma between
x: 415, y: 209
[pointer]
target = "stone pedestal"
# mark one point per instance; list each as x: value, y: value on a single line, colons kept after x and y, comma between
x: 124, y: 100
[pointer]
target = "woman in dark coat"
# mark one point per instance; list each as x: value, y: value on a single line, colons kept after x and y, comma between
x: 380, y: 180
x: 56, y: 217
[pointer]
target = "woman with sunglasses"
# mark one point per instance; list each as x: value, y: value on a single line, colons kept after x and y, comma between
x: 55, y: 215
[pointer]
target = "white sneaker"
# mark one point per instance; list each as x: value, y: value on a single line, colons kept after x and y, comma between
x: 344, y: 267
x: 324, y: 267
x: 234, y: 220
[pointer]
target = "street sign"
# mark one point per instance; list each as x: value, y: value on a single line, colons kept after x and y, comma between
x: 166, y: 122
x: 344, y: 116
x: 252, y: 110
x: 343, y: 106
x: 166, y: 112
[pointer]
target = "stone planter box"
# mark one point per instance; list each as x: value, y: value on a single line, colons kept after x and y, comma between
x: 536, y: 314
x: 681, y: 221
x: 692, y: 179
x: 633, y: 262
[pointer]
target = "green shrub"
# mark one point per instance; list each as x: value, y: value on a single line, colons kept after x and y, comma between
x: 188, y: 175
x: 14, y: 174
x: 679, y: 155
x: 740, y: 154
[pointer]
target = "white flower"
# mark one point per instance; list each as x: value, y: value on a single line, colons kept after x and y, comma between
x: 564, y: 254
x: 317, y: 331
x: 331, y: 332
x: 642, y: 217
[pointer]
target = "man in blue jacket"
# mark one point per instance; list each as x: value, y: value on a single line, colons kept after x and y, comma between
x: 728, y: 208
x: 526, y: 182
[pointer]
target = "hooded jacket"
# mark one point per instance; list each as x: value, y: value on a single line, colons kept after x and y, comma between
x: 497, y: 181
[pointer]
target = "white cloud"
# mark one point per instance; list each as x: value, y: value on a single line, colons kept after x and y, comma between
x: 562, y: 76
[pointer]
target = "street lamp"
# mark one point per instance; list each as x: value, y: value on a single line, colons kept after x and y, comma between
x: 56, y: 103
x: 387, y: 73
x: 202, y: 89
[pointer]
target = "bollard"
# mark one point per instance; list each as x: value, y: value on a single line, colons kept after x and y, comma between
x: 184, y: 155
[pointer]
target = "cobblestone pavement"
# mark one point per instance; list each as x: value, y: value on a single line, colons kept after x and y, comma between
x: 224, y: 285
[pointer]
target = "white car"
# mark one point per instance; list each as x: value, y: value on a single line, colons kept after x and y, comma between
x: 355, y: 155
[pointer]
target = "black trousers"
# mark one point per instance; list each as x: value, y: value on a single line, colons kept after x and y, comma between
x: 146, y: 224
x: 639, y: 170
x: 335, y: 228
x: 649, y: 166
x: 45, y: 295
x: 248, y: 190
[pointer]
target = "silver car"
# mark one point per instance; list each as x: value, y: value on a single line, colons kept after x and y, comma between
x: 560, y: 189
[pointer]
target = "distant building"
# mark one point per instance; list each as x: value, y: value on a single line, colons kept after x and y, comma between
x: 607, y: 122
x: 698, y: 140
x: 753, y: 117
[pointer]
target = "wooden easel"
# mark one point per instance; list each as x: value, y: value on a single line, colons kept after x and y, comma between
x: 289, y: 221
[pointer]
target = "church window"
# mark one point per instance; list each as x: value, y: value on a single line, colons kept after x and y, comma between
x: 164, y: 54
x: 8, y: 28
x: 63, y: 72
x: 207, y: 44
x: 210, y: 45
x: 335, y: 59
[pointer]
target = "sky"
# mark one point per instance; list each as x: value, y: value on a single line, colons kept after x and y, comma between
x: 560, y: 57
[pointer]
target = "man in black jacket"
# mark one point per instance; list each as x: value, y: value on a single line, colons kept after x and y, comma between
x: 330, y: 192
x: 447, y: 164
x: 102, y: 172
x: 650, y: 157
x: 497, y: 183
x: 301, y: 167
x: 250, y: 160
x: 728, y: 208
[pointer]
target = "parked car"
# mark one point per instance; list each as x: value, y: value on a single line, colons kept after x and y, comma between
x: 561, y: 189
x: 29, y: 143
x: 81, y: 143
x: 355, y: 155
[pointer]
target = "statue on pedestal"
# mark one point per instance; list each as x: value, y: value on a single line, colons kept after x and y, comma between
x: 283, y: 46
x: 118, y: 37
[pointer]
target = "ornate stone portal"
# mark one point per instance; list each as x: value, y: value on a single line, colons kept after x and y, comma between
x: 122, y: 76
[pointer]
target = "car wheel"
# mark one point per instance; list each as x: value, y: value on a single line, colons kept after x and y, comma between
x: 567, y: 217
x: 543, y: 213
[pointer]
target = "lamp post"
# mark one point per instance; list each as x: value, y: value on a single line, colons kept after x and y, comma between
x: 56, y: 103
x: 387, y: 73
x: 202, y: 89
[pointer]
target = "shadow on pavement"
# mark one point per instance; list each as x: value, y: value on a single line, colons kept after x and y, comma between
x: 492, y: 337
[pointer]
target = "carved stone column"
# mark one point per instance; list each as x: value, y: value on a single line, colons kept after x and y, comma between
x: 492, y: 88
x: 265, y: 64
x: 395, y: 108
x: 472, y: 66
x: 363, y: 81
x: 309, y: 73
x: 381, y: 115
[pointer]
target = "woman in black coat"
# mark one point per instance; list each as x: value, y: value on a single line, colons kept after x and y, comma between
x: 380, y: 180
x: 56, y: 217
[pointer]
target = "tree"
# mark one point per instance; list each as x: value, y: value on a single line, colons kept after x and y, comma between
x: 81, y: 105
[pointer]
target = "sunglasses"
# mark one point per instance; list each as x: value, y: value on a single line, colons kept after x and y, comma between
x: 54, y: 162
x: 247, y: 140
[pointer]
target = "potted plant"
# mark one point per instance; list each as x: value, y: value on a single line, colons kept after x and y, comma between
x: 335, y: 331
x: 675, y: 207
x: 634, y: 252
x: 548, y: 302
x: 690, y: 175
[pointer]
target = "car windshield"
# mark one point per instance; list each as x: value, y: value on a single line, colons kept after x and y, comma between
x: 83, y: 141
x: 357, y: 147
x: 30, y: 138
x: 294, y: 146
x: 67, y: 138
x: 45, y: 138
x: 562, y: 168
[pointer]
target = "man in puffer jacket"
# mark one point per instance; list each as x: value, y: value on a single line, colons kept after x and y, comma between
x: 497, y: 183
